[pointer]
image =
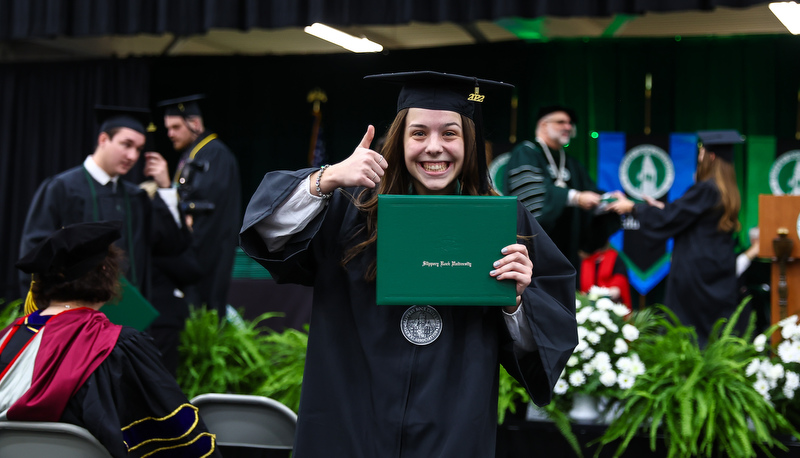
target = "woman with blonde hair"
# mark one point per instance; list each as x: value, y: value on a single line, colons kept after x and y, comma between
x: 701, y: 287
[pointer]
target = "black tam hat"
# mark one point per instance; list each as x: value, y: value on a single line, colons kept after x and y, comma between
x: 112, y: 117
x: 719, y: 142
x: 449, y: 92
x: 548, y: 109
x: 183, y: 106
x: 72, y: 251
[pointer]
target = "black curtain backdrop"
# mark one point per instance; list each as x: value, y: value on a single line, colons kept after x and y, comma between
x: 21, y: 19
x: 258, y: 104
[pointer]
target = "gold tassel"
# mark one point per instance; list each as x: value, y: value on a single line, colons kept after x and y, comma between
x: 30, y: 306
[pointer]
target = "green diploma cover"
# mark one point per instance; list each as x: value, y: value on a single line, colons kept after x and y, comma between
x: 131, y: 309
x: 439, y: 250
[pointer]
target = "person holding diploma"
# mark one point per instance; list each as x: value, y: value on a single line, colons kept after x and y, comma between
x: 374, y: 383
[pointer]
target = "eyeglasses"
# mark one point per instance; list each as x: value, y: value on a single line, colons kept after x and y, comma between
x: 560, y: 122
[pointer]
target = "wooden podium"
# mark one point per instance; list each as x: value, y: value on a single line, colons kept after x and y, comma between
x: 780, y: 214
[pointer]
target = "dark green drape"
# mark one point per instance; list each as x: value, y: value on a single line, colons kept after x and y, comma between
x: 258, y: 104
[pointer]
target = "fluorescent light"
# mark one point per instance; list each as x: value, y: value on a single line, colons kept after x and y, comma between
x: 789, y: 14
x: 342, y: 39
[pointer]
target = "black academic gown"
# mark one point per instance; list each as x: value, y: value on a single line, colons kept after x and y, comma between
x: 572, y: 229
x: 701, y: 287
x: 367, y: 392
x: 130, y: 403
x: 67, y: 199
x: 130, y: 386
x: 215, y: 234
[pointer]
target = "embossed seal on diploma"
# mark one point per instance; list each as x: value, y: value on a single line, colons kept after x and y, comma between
x: 421, y: 324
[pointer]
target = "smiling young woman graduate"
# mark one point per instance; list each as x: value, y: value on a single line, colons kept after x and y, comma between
x: 66, y: 362
x: 368, y: 389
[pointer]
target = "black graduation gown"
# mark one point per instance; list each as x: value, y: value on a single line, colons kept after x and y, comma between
x: 67, y: 199
x: 132, y: 385
x: 367, y: 391
x: 215, y: 234
x: 571, y: 228
x: 701, y: 287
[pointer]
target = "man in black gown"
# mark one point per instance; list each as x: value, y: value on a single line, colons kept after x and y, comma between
x: 93, y: 192
x: 207, y: 178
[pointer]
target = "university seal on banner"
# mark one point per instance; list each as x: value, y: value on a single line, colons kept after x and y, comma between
x: 647, y: 170
x: 421, y: 324
x: 784, y: 175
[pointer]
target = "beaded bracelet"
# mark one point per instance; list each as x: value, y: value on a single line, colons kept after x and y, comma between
x: 319, y: 177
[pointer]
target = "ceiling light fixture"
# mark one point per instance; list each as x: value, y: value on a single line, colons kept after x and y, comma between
x: 342, y: 39
x: 789, y: 14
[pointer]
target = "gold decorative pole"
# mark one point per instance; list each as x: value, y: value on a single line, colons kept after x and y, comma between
x: 512, y: 135
x: 316, y: 97
x: 648, y: 92
x: 782, y: 245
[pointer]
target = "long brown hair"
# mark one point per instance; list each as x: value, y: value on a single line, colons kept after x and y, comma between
x: 724, y: 175
x: 397, y: 180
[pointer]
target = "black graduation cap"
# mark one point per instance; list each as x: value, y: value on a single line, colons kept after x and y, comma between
x: 111, y: 117
x: 547, y: 109
x: 71, y: 251
x: 720, y: 142
x: 182, y: 106
x: 450, y: 92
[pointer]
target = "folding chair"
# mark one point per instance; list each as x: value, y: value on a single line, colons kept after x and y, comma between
x: 24, y: 439
x: 248, y: 426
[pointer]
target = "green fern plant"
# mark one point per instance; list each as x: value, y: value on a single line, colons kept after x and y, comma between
x: 700, y: 401
x: 241, y: 356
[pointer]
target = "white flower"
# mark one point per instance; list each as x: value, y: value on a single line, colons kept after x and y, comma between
x: 587, y: 354
x: 601, y: 358
x: 630, y: 332
x: 775, y: 372
x: 600, y: 330
x: 604, y: 303
x: 624, y: 364
x: 762, y: 386
x: 788, y: 392
x: 759, y: 342
x: 789, y: 351
x: 788, y: 321
x: 582, y: 315
x: 790, y: 331
x: 620, y: 346
x: 593, y: 338
x: 596, y: 292
x: 561, y: 386
x: 792, y: 380
x: 637, y: 366
x: 577, y: 378
x: 625, y: 381
x: 599, y: 316
x: 582, y: 345
x: 573, y: 361
x: 577, y: 303
x: 588, y: 368
x: 602, y: 366
x: 608, y: 378
x: 620, y: 310
x: 752, y: 368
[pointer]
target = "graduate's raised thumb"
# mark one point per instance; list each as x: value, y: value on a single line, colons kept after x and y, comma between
x: 367, y: 140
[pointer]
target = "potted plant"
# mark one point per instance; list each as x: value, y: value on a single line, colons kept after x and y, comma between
x: 776, y: 371
x: 697, y: 402
x: 603, y: 364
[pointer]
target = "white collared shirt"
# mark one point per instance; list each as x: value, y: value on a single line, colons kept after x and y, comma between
x: 168, y: 195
